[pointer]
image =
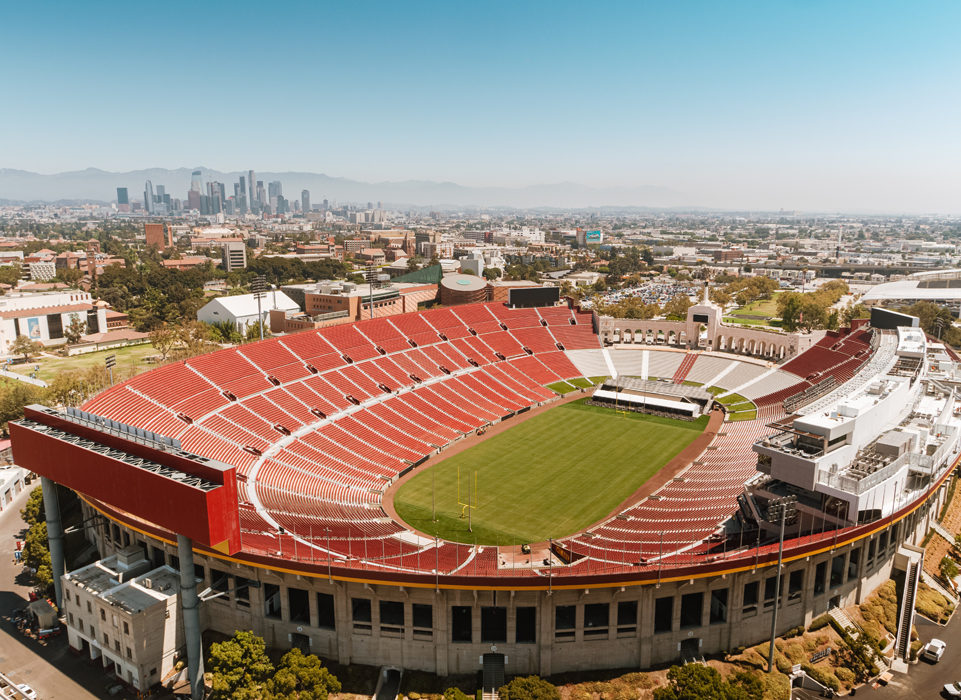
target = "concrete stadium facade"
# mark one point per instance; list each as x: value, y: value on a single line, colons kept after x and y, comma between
x: 639, y: 634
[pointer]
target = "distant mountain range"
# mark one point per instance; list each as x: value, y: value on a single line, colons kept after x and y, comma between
x: 97, y: 185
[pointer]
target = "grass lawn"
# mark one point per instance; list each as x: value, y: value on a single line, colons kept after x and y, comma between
x: 566, y: 387
x: 761, y: 307
x: 738, y: 407
x: 562, y: 387
x: 737, y: 320
x: 549, y: 476
x: 130, y: 360
x: 731, y: 399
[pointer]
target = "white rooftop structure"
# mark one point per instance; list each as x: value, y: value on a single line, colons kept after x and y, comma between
x: 911, y: 342
x: 241, y: 310
x: 942, y: 286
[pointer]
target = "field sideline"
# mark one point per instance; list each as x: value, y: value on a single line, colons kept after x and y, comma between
x: 550, y: 476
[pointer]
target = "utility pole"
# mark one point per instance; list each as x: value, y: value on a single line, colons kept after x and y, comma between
x: 259, y: 288
x: 778, y: 509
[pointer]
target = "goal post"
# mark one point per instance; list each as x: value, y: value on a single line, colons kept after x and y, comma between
x: 468, y: 504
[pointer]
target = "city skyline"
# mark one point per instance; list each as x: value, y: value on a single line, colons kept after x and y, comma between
x: 807, y: 107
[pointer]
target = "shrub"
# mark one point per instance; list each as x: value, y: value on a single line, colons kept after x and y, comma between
x: 823, y: 676
x: 640, y: 680
x: 776, y: 686
x: 845, y: 675
x: 455, y: 694
x: 819, y: 622
x: 528, y: 688
x: 793, y: 632
x: 882, y: 607
x: 932, y: 604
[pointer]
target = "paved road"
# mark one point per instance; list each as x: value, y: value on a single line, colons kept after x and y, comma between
x: 48, y: 667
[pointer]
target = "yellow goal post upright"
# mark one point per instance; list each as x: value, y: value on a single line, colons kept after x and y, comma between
x: 617, y: 409
x: 466, y: 508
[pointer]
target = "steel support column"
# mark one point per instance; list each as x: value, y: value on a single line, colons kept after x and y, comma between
x: 51, y: 506
x: 191, y: 610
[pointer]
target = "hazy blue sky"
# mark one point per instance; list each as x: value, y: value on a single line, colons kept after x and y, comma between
x: 797, y: 104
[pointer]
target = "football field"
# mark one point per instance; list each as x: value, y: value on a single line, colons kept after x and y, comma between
x: 549, y: 476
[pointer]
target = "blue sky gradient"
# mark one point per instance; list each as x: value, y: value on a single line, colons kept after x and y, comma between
x: 802, y: 104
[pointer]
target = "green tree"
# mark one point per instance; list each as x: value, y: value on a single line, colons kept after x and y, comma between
x: 677, y: 306
x: 253, y: 330
x: 529, y: 688
x: 32, y: 511
x: 857, y: 655
x: 789, y: 309
x: 851, y: 312
x: 948, y: 568
x: 195, y: 336
x: 14, y: 396
x: 226, y: 332
x: 302, y: 677
x: 75, y: 329
x: 69, y: 275
x: 492, y: 273
x: 35, y: 545
x: 10, y: 274
x: 239, y: 668
x: 455, y: 694
x: 22, y: 345
x: 935, y: 320
x: 68, y: 389
x: 721, y: 297
x: 164, y: 339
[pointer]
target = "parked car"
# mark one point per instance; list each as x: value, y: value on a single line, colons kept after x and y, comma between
x: 953, y: 689
x: 933, y: 650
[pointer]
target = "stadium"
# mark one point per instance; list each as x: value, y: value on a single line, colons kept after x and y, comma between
x: 444, y: 489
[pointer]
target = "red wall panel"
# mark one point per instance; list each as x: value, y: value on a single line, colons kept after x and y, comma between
x: 209, y: 517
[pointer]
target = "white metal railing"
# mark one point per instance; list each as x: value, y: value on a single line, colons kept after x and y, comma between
x: 848, y: 483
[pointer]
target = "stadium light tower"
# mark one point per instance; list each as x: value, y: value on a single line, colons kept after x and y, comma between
x: 779, y: 509
x: 259, y: 288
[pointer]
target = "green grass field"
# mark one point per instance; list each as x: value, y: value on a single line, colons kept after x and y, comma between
x: 130, y: 360
x: 550, y: 476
